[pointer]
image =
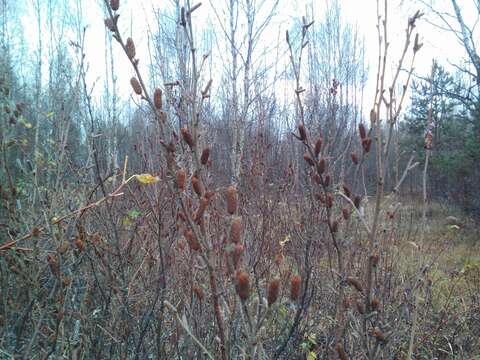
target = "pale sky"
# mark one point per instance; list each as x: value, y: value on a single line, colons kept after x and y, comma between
x: 139, y: 13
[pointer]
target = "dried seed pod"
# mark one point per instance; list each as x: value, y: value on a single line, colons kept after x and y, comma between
x: 345, y: 213
x: 197, y: 186
x: 12, y: 120
x: 362, y: 131
x: 327, y: 180
x: 375, y: 304
x: 318, y: 146
x: 114, y: 4
x: 308, y: 159
x: 329, y: 201
x: 302, y: 132
x: 341, y: 352
x: 109, y: 24
x: 236, y: 230
x: 237, y: 253
x: 357, y: 201
x: 157, y: 98
x: 295, y: 284
x: 355, y: 283
x: 130, y: 48
x: 354, y: 158
x: 181, y: 176
x: 136, y: 86
x: 187, y: 137
x: 272, y: 292
x: 322, y: 165
x: 231, y: 199
x: 317, y: 178
x: 198, y: 291
x: 378, y: 334
x: 243, y: 285
x: 205, y: 156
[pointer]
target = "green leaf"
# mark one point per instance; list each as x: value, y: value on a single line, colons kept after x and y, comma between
x: 134, y: 213
x: 311, y: 356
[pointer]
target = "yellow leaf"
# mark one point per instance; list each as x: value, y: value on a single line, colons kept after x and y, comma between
x: 413, y: 244
x: 311, y: 356
x: 147, y: 179
x: 28, y: 125
x: 285, y: 240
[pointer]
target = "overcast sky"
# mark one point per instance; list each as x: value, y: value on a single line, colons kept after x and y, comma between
x: 361, y: 13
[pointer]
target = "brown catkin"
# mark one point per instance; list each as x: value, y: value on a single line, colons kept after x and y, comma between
x: 360, y: 307
x: 79, y: 244
x: 329, y: 200
x: 295, y: 284
x: 53, y: 263
x: 231, y: 199
x: 109, y: 24
x: 367, y: 144
x: 237, y: 253
x: 373, y: 116
x: 377, y: 333
x: 243, y: 285
x: 345, y: 213
x: 302, y: 132
x: 374, y: 260
x: 157, y: 98
x: 197, y: 186
x: 327, y: 180
x: 187, y: 137
x: 201, y: 209
x: 355, y: 283
x: 272, y: 292
x: 362, y: 131
x: 236, y: 230
x: 322, y: 165
x: 354, y: 158
x: 356, y: 201
x: 192, y: 240
x: 181, y: 176
x: 114, y: 4
x: 308, y: 159
x: 205, y: 156
x: 130, y: 48
x: 136, y: 86
x: 342, y: 355
x: 317, y: 179
x: 375, y: 304
x: 318, y: 146
x: 198, y: 291
x: 334, y: 226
